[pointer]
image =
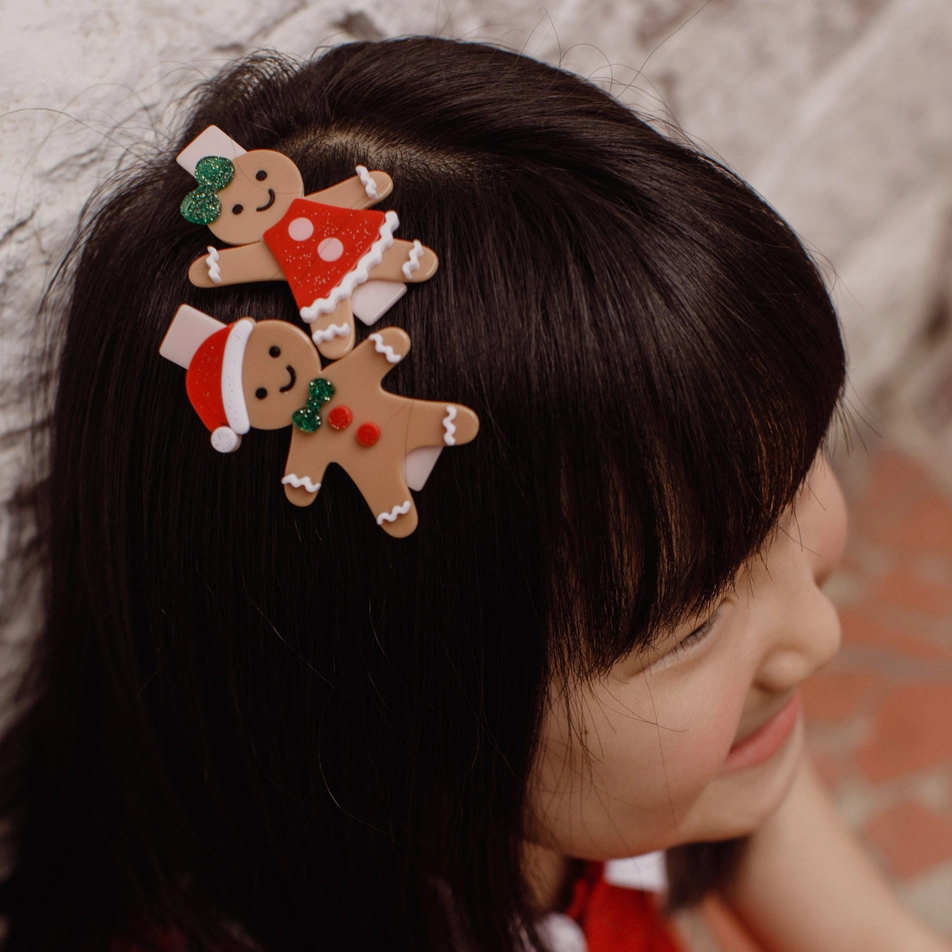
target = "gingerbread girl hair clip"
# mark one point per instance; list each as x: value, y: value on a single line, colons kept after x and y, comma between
x: 267, y: 375
x: 338, y: 255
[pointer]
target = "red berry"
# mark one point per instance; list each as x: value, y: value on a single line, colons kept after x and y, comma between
x: 368, y: 434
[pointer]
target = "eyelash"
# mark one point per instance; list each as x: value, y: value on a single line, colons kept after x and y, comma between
x: 696, y: 636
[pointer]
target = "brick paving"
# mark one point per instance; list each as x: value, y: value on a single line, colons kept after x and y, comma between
x: 879, y: 717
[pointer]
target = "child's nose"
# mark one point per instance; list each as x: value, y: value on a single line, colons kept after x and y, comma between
x: 805, y: 636
x: 806, y: 627
x: 823, y: 520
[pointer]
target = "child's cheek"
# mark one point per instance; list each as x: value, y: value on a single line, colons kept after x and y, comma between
x: 697, y: 725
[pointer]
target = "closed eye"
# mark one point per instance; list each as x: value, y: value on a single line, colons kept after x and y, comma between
x: 696, y: 636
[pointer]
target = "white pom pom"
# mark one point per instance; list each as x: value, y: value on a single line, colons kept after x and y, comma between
x: 225, y: 440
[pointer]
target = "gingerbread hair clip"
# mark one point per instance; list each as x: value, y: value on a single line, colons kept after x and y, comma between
x: 337, y: 254
x: 267, y: 375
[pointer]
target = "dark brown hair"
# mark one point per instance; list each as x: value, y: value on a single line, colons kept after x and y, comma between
x: 251, y: 718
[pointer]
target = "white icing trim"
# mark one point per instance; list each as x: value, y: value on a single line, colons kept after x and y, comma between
x: 329, y: 333
x: 214, y: 271
x: 232, y: 392
x: 298, y: 481
x: 358, y: 275
x: 392, y: 515
x: 366, y: 179
x: 449, y: 437
x: 392, y: 356
x: 416, y: 253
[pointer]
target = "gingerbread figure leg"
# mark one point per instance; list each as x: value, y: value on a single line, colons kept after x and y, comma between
x: 432, y: 426
x: 334, y: 333
x: 389, y: 501
x: 304, y: 469
x: 407, y: 261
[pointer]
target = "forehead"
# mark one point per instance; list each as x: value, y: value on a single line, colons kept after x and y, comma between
x: 278, y: 333
x: 276, y: 164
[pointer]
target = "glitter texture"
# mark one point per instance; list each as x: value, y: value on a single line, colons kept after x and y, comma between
x: 214, y: 171
x: 201, y: 206
x: 308, y: 418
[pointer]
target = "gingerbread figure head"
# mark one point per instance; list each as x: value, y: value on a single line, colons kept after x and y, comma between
x: 267, y: 375
x: 339, y: 257
x: 240, y: 195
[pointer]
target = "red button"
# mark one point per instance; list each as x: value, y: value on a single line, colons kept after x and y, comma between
x: 368, y: 434
x: 340, y: 418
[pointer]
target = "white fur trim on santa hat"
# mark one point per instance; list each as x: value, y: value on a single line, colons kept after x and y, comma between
x: 232, y: 392
x: 210, y: 142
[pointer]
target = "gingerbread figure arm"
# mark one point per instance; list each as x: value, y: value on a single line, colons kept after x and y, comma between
x: 305, y: 467
x: 239, y: 265
x: 369, y: 362
x: 359, y: 191
x: 440, y: 424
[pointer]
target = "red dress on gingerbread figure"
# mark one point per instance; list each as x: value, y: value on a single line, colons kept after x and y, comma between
x: 338, y: 257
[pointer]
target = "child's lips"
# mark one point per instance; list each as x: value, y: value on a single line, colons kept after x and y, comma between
x: 758, y: 747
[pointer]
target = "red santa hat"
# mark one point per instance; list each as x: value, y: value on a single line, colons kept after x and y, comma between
x: 212, y: 354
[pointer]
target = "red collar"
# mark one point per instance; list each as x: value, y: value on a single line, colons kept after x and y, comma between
x: 618, y: 919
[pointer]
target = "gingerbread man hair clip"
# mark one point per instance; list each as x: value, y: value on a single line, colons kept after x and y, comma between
x: 267, y: 375
x: 338, y: 256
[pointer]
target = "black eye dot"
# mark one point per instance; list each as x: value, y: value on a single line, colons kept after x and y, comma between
x: 261, y: 175
x: 261, y: 393
x: 237, y: 209
x: 275, y: 351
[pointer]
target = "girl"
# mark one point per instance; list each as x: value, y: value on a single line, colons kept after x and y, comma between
x: 253, y: 725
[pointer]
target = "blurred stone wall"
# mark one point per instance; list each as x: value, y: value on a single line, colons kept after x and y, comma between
x: 838, y: 111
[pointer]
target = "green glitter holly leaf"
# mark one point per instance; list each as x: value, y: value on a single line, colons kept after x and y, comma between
x: 202, y: 206
x: 214, y: 171
x: 308, y: 418
x: 320, y: 389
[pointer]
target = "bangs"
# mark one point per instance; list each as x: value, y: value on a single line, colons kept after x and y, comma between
x: 694, y: 408
x: 655, y: 378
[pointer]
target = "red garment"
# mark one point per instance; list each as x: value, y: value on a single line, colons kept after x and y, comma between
x: 318, y: 246
x: 616, y: 918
